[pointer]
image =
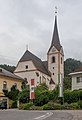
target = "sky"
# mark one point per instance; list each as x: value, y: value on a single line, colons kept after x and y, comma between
x: 31, y: 22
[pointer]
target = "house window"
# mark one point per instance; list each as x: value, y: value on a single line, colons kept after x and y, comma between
x: 79, y: 79
x: 53, y: 59
x: 26, y: 66
x: 4, y: 85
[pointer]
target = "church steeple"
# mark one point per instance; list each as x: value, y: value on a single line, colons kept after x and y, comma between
x: 55, y: 38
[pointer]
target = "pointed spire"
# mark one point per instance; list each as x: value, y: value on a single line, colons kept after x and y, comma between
x: 55, y: 38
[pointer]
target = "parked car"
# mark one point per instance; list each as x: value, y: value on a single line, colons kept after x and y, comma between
x: 3, y: 105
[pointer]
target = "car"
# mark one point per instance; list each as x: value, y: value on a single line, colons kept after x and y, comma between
x: 3, y: 106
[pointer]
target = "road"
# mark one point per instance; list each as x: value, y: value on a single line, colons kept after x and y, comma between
x: 40, y: 115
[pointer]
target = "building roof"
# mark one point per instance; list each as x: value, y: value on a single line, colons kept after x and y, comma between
x: 6, y: 73
x: 77, y: 71
x: 37, y: 62
x: 55, y: 39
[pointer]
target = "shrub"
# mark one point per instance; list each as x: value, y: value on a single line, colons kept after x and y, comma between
x: 12, y: 104
x: 41, y: 97
x: 75, y: 106
x: 24, y: 96
x: 80, y: 104
x: 52, y: 106
x: 26, y: 106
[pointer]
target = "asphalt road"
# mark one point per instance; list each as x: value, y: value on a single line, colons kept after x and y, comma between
x: 40, y: 115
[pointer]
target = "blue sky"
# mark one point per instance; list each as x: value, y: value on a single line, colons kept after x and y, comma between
x: 31, y: 22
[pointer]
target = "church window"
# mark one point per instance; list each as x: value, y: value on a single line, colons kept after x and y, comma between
x: 26, y: 66
x: 4, y: 85
x: 40, y: 79
x: 53, y: 59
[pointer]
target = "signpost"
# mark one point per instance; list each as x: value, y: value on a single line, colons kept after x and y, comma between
x: 32, y: 89
x: 60, y: 87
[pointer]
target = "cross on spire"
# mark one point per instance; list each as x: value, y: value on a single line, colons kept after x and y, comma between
x: 55, y: 10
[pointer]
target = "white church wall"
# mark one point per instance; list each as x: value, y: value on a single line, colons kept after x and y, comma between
x: 26, y: 65
x: 31, y: 73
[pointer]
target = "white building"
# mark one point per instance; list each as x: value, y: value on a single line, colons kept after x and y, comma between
x: 76, y: 79
x: 32, y: 67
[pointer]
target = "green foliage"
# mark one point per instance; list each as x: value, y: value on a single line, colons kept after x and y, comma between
x: 24, y: 96
x: 41, y: 95
x: 80, y: 104
x: 72, y: 96
x: 8, y: 67
x: 52, y: 106
x: 12, y: 94
x: 24, y: 84
x: 26, y: 106
x: 67, y: 83
x: 53, y: 95
x: 70, y: 65
x: 42, y: 87
x: 5, y: 93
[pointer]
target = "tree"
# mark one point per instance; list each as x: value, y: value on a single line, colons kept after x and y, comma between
x: 12, y: 94
x: 24, y: 95
x: 67, y: 83
x: 8, y: 67
x: 24, y: 84
x: 41, y: 95
x: 70, y: 65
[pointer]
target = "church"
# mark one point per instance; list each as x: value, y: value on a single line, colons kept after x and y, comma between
x: 32, y: 68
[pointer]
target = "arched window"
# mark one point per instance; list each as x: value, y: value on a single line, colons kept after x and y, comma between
x: 53, y: 59
x: 4, y: 85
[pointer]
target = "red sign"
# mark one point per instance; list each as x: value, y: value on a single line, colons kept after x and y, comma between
x: 32, y: 81
x: 32, y: 95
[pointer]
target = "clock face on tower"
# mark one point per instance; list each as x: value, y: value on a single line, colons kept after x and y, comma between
x: 53, y: 49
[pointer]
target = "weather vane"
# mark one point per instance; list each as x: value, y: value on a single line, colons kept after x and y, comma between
x: 55, y: 10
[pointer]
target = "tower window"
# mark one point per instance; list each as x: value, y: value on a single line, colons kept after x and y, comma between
x: 53, y: 73
x: 53, y: 67
x: 61, y: 60
x: 53, y: 59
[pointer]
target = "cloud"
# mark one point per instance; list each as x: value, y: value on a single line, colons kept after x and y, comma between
x: 31, y: 22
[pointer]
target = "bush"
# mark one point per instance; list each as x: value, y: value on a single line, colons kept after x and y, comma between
x: 75, y: 106
x: 24, y: 96
x: 80, y: 104
x: 41, y: 97
x: 26, y: 106
x: 12, y: 104
x: 52, y: 106
x: 71, y: 96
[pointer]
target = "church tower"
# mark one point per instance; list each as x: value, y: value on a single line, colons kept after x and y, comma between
x: 55, y: 56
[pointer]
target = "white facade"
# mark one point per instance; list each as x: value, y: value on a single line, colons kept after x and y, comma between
x: 31, y: 72
x: 76, y: 80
